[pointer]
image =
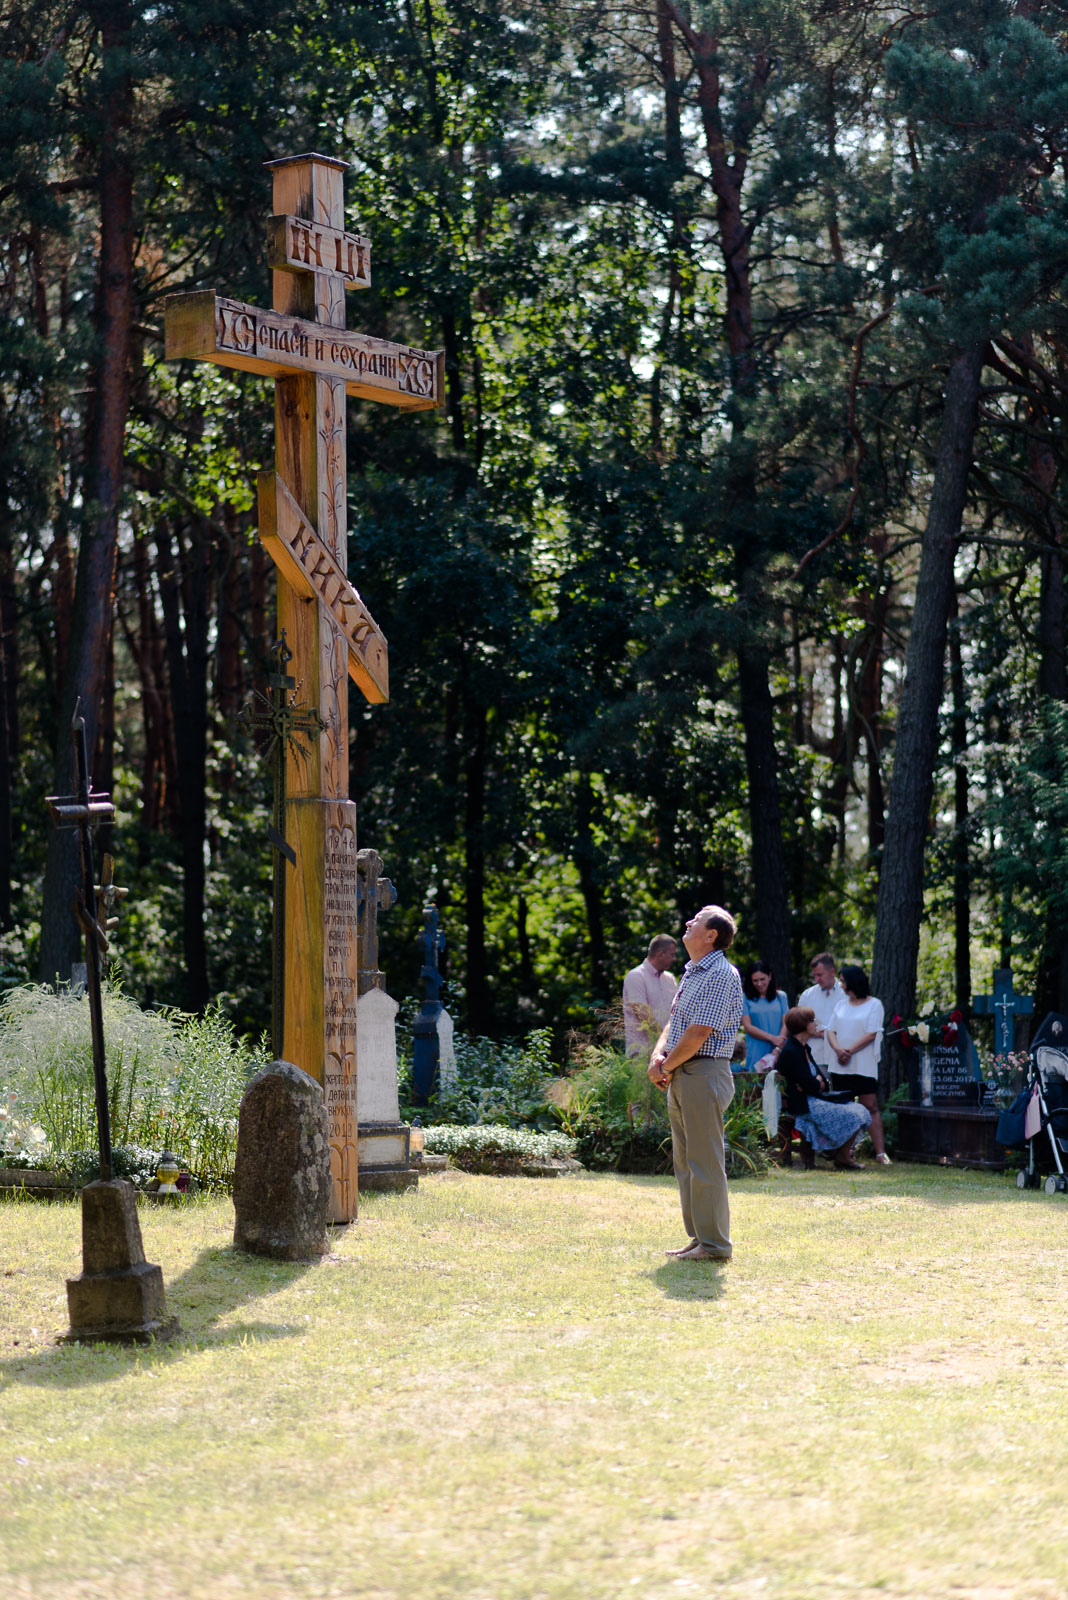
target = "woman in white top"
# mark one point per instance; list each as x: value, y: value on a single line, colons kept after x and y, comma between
x: 855, y: 1035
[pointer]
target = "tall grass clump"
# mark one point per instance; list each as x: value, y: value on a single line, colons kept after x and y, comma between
x: 174, y: 1081
x: 618, y: 1119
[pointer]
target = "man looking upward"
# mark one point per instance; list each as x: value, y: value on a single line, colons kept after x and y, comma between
x: 648, y: 991
x: 822, y: 997
x: 692, y: 1061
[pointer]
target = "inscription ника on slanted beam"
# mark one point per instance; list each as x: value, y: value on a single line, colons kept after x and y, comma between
x: 306, y: 563
x: 204, y: 326
x: 296, y: 245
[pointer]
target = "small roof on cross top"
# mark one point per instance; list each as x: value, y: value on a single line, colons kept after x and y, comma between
x: 311, y: 155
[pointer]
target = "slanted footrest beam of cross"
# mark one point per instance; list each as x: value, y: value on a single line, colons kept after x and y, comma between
x: 307, y: 565
x: 302, y: 343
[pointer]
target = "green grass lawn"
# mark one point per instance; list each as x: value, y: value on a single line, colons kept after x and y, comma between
x: 499, y: 1389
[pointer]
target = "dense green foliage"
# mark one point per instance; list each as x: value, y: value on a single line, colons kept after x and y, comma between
x: 174, y: 1082
x: 699, y: 273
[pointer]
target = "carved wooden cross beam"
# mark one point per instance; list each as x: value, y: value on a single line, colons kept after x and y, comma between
x: 302, y: 343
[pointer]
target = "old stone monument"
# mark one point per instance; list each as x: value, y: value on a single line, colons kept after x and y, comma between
x: 282, y: 1176
x: 303, y: 344
x: 384, y: 1140
x: 118, y: 1297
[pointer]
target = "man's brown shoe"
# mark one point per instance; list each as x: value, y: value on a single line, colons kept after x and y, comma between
x: 701, y: 1253
x: 684, y: 1251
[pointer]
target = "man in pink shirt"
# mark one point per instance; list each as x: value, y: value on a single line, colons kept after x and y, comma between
x: 648, y: 991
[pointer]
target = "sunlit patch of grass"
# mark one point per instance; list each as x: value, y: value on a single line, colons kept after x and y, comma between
x: 502, y: 1390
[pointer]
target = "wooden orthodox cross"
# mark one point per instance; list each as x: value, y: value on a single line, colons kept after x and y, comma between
x: 303, y: 344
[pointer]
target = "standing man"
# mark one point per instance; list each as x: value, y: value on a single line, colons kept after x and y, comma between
x: 692, y: 1061
x: 821, y: 997
x: 648, y: 991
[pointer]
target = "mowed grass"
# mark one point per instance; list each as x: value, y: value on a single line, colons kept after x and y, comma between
x: 499, y: 1389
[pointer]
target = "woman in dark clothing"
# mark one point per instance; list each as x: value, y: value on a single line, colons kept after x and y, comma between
x: 829, y: 1128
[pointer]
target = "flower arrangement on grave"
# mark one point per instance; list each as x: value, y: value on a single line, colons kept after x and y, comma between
x: 1005, y: 1075
x: 22, y: 1142
x: 921, y: 1032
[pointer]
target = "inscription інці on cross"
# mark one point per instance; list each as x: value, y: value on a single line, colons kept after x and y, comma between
x: 303, y: 344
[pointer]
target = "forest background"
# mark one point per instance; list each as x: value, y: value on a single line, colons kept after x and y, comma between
x: 732, y: 568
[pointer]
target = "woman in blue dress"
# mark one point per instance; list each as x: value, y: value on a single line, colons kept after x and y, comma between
x: 764, y: 1008
x: 828, y: 1128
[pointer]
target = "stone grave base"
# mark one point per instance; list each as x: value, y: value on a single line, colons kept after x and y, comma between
x: 949, y: 1136
x: 425, y: 1163
x: 384, y: 1158
x: 118, y: 1298
x: 34, y: 1181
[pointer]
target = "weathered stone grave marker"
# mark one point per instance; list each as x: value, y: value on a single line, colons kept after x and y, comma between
x: 303, y: 344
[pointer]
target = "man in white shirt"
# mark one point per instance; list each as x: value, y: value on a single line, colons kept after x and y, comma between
x: 648, y: 991
x: 823, y: 995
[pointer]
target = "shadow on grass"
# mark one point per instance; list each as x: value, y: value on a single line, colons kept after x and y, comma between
x: 926, y: 1184
x: 691, y: 1280
x: 218, y: 1282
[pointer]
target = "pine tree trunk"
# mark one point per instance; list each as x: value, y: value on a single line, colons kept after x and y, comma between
x: 962, y: 877
x: 871, y: 711
x: 91, y: 620
x: 477, y: 741
x: 765, y: 818
x: 8, y: 723
x: 584, y: 855
x: 144, y: 647
x: 900, y: 905
x: 185, y: 622
x: 1052, y: 674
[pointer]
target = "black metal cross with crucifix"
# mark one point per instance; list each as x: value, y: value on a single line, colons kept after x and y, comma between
x: 85, y: 810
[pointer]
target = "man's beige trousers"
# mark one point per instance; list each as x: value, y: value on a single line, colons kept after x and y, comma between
x: 699, y: 1094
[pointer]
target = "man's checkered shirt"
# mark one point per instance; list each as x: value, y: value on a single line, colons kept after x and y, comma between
x: 709, y: 996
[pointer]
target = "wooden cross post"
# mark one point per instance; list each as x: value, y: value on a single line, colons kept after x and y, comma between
x: 303, y: 344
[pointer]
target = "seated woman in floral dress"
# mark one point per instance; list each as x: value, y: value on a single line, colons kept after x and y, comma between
x: 829, y: 1128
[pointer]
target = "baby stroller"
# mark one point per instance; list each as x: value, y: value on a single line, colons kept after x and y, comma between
x: 1041, y: 1109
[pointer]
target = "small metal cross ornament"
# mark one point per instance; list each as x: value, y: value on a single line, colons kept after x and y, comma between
x: 286, y: 729
x: 108, y: 895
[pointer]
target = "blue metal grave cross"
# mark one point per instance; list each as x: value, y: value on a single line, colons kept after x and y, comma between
x: 1004, y: 1006
x: 432, y: 942
x: 426, y: 1044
